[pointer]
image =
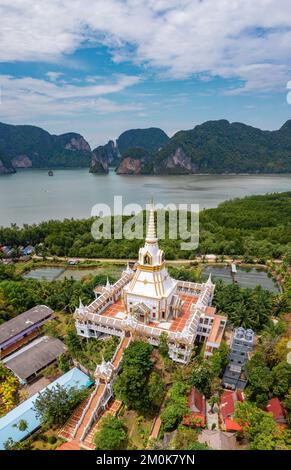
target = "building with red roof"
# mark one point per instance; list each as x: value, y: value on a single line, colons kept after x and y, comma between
x: 197, y: 406
x: 227, y: 405
x: 274, y: 406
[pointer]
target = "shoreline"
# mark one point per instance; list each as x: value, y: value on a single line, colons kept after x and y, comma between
x: 112, y: 170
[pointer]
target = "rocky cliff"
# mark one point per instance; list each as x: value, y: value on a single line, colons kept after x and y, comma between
x: 5, y: 170
x: 33, y: 147
x: 178, y: 162
x: 219, y: 147
x: 135, y: 161
x: 129, y: 166
x: 149, y: 140
x: 103, y: 157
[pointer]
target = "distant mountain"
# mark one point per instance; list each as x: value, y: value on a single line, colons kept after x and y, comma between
x: 33, y: 147
x: 218, y: 147
x: 221, y: 147
x: 150, y: 140
x: 212, y: 147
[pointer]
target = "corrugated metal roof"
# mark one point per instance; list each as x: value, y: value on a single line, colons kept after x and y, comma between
x: 23, y: 321
x: 25, y: 411
x: 35, y: 356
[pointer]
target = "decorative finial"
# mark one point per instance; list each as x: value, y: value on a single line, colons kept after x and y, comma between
x: 151, y: 229
x: 209, y: 280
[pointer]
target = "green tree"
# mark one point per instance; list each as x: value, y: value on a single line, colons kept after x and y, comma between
x: 64, y: 363
x: 260, y: 382
x: 156, y: 390
x: 9, y: 444
x: 138, y: 354
x: 176, y: 406
x: 112, y: 434
x: 260, y: 428
x: 73, y: 342
x: 163, y: 345
x: 249, y: 308
x: 281, y: 379
x: 54, y: 406
x: 172, y: 415
x: 198, y: 446
x: 131, y: 385
x: 22, y: 425
x: 287, y: 405
x: 183, y: 438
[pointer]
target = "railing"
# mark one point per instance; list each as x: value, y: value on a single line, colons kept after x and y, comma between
x: 92, y: 396
x: 96, y: 411
x: 82, y: 368
x: 101, y: 302
x: 102, y: 401
x: 118, y: 348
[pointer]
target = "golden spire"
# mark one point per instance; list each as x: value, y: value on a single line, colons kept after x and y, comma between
x: 151, y: 229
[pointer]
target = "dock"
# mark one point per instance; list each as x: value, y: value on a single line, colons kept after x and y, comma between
x: 233, y: 270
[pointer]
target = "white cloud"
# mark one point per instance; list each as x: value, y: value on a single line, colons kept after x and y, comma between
x: 178, y: 38
x: 35, y: 101
x: 54, y: 76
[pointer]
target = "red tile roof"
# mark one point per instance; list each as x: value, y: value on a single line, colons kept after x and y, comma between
x: 231, y: 425
x: 227, y: 404
x: 227, y: 408
x: 197, y: 405
x: 196, y: 401
x: 274, y: 406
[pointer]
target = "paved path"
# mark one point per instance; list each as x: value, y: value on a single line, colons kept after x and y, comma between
x: 227, y: 259
x: 86, y: 418
x: 212, y: 418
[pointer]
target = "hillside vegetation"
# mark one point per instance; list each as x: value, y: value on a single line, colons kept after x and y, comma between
x: 253, y: 227
x: 33, y: 147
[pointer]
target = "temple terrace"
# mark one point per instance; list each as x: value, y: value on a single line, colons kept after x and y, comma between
x: 149, y: 302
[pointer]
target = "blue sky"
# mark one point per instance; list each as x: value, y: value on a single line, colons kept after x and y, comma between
x: 100, y: 67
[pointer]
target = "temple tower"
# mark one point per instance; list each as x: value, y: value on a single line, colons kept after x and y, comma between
x: 150, y: 295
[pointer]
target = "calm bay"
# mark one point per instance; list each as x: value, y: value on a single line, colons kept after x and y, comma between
x: 31, y: 196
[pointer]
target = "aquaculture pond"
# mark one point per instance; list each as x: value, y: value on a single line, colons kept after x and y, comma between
x: 246, y: 277
x: 53, y: 273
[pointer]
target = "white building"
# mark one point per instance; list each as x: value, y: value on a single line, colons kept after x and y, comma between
x: 149, y: 302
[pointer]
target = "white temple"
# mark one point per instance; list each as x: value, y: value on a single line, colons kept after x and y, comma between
x: 150, y: 295
x: 149, y: 302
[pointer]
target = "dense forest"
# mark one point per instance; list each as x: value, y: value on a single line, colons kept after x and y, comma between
x: 30, y: 146
x: 253, y: 227
x: 151, y: 139
x: 212, y: 147
x: 256, y: 227
x: 220, y: 146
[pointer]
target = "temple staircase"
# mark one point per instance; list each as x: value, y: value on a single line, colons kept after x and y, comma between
x: 87, y: 415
